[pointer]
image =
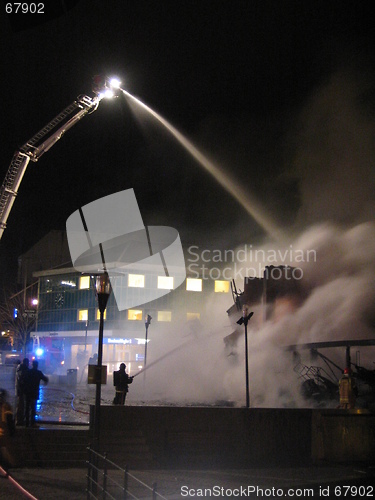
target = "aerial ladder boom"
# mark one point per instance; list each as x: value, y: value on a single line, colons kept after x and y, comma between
x: 39, y: 144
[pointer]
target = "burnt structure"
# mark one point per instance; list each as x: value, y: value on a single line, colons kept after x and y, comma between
x: 277, y: 293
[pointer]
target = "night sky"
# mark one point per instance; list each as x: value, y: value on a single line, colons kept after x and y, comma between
x: 279, y: 93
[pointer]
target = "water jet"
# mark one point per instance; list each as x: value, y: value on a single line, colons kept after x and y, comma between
x: 233, y: 187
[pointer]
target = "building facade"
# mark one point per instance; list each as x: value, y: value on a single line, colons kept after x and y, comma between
x: 68, y: 314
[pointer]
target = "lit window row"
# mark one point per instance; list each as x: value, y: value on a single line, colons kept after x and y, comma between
x: 167, y: 283
x: 137, y: 315
x: 138, y: 281
x: 84, y: 282
x: 195, y: 285
x: 83, y: 314
x: 164, y: 283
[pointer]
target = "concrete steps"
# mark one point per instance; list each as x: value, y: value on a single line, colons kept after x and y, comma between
x: 66, y: 448
x: 49, y: 448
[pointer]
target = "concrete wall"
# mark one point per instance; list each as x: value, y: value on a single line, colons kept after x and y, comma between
x: 343, y: 436
x: 188, y: 437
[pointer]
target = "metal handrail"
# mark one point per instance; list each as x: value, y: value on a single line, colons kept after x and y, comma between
x: 99, y: 489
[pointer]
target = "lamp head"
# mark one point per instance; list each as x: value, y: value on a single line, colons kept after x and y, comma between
x: 103, y: 290
x: 106, y: 87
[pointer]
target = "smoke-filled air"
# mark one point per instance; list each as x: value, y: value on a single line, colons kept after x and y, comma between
x: 330, y: 151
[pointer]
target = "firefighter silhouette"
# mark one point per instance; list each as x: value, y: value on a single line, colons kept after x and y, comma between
x: 7, y: 430
x: 347, y: 390
x: 7, y: 426
x: 121, y: 380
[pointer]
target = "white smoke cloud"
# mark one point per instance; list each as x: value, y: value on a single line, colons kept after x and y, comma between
x: 333, y: 161
x: 340, y: 299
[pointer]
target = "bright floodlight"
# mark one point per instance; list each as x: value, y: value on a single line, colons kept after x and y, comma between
x: 39, y: 352
x: 115, y: 83
x: 107, y: 93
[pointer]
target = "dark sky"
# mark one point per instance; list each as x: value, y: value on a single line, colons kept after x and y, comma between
x: 243, y: 79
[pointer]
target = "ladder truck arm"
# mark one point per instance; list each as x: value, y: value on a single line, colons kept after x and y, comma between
x: 40, y: 143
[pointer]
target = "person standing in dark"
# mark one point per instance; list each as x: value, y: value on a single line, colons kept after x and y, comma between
x: 93, y: 360
x: 121, y: 381
x: 21, y: 373
x: 6, y: 415
x: 32, y: 381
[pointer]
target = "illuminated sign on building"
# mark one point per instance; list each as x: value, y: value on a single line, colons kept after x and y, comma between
x: 123, y: 341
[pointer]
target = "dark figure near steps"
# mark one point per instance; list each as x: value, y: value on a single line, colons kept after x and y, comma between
x: 121, y: 381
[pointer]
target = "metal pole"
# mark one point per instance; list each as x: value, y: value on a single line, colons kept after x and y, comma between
x: 103, y: 290
x: 98, y: 379
x: 264, y: 296
x: 244, y: 321
x: 348, y: 360
x: 105, y: 474
x: 87, y: 324
x: 145, y: 360
x: 247, y: 370
x: 89, y: 473
x: 125, y: 496
x: 147, y: 324
x: 145, y: 363
x: 37, y: 309
x: 24, y: 285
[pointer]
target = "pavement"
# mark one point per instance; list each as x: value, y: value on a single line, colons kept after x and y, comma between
x: 70, y: 405
x: 318, y: 481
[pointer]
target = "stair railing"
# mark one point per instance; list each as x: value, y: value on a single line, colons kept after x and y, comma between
x: 107, y: 480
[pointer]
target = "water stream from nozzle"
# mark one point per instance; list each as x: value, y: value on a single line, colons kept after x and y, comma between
x: 245, y: 199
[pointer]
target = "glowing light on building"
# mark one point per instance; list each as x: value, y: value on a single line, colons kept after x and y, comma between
x: 194, y: 285
x: 84, y: 282
x: 222, y: 286
x: 135, y: 315
x: 136, y: 280
x: 165, y: 282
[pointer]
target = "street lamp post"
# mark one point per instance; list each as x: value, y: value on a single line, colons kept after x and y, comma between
x: 87, y: 324
x: 147, y: 324
x: 244, y: 320
x: 103, y: 290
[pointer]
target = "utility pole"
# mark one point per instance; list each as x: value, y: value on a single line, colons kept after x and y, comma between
x: 244, y: 320
x: 147, y: 324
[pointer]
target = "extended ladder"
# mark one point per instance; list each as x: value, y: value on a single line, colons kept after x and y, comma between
x: 36, y: 147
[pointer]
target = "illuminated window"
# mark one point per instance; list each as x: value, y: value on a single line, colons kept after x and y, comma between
x: 134, y: 314
x: 191, y: 316
x: 194, y: 285
x: 84, y: 282
x: 164, y: 316
x: 221, y: 286
x: 83, y: 314
x: 98, y: 314
x: 165, y: 282
x: 136, y: 280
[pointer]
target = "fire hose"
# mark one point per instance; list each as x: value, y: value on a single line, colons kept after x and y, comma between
x: 16, y: 484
